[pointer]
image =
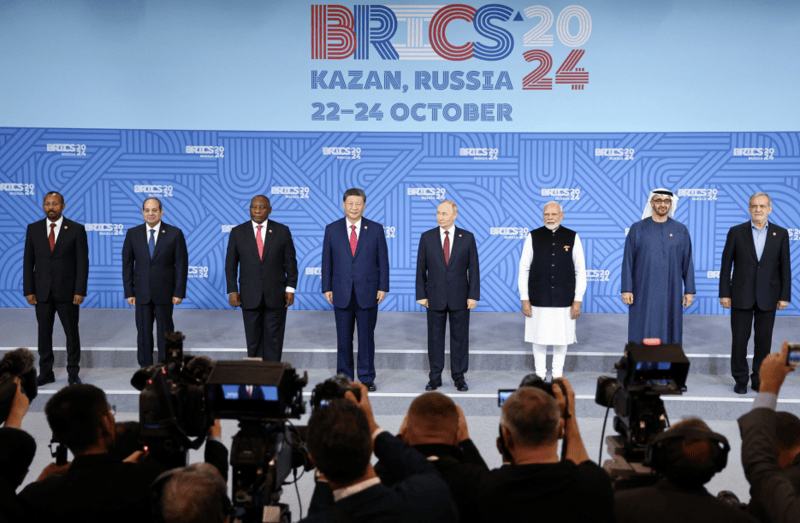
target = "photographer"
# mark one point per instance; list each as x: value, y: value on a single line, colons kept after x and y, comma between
x: 787, y: 431
x: 97, y: 486
x: 193, y: 494
x: 340, y: 440
x: 17, y: 449
x: 686, y: 456
x: 769, y: 486
x: 435, y: 426
x: 535, y: 481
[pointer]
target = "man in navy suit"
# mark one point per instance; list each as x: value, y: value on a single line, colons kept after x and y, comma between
x: 761, y: 283
x: 250, y: 392
x: 154, y: 270
x: 355, y: 280
x: 54, y: 276
x: 262, y: 251
x: 448, y: 283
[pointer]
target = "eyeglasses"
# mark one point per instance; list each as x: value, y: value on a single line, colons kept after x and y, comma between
x: 668, y: 200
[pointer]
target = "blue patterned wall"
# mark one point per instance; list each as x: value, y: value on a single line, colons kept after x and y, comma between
x: 499, y: 180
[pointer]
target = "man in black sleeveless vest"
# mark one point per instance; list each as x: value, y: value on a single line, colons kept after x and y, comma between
x: 552, y: 280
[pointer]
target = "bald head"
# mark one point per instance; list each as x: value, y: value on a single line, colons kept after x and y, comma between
x: 432, y: 418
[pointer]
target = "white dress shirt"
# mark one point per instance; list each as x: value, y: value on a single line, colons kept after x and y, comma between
x: 264, y: 231
x: 58, y: 223
x: 452, y: 231
x: 350, y: 231
x: 157, y: 228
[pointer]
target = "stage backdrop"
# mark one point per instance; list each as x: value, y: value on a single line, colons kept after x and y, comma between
x: 500, y: 182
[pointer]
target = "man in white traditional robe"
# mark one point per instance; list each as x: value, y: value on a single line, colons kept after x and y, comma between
x: 552, y: 281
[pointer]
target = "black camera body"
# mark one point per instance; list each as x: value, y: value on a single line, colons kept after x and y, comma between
x: 330, y: 389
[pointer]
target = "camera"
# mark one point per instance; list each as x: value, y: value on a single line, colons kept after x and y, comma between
x: 330, y: 389
x: 793, y: 357
x: 530, y: 380
x: 17, y: 363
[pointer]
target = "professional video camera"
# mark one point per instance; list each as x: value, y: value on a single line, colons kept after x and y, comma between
x: 644, y: 374
x: 182, y: 397
x: 330, y: 389
x: 17, y: 363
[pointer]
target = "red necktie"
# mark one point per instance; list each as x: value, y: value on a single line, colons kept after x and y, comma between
x: 52, y: 237
x: 353, y: 240
x: 447, y: 247
x: 259, y: 242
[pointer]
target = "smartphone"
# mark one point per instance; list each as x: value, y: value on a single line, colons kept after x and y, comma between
x: 793, y: 358
x: 503, y: 394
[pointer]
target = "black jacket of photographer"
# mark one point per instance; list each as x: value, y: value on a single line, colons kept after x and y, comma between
x: 792, y: 473
x: 101, y: 488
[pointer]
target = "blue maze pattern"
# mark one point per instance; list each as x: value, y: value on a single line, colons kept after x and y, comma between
x: 499, y: 181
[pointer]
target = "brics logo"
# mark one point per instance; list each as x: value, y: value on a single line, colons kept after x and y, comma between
x: 510, y: 233
x: 314, y: 271
x: 291, y: 192
x: 390, y: 232
x: 18, y: 189
x: 794, y: 234
x: 105, y: 229
x: 226, y: 229
x: 700, y: 195
x: 67, y: 149
x: 480, y: 153
x: 427, y: 193
x: 165, y: 191
x: 206, y: 151
x: 196, y: 271
x: 343, y: 153
x: 562, y: 194
x: 597, y: 275
x: 755, y: 153
x: 615, y: 154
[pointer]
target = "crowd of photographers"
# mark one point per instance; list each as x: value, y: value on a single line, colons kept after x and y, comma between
x: 430, y: 471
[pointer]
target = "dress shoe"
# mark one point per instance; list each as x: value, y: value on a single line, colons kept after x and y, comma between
x: 740, y: 388
x: 433, y: 385
x: 755, y: 383
x: 44, y: 379
x: 371, y: 386
x: 461, y: 385
x: 74, y: 380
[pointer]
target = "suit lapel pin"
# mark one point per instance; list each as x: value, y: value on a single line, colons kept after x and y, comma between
x: 566, y: 248
x: 774, y: 233
x: 270, y: 231
x: 65, y: 227
x: 459, y: 236
x: 365, y: 227
x: 670, y: 235
x: 163, y: 232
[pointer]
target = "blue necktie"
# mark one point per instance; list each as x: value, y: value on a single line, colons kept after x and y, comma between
x: 152, y: 243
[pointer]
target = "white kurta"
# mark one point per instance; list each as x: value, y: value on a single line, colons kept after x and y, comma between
x: 551, y: 325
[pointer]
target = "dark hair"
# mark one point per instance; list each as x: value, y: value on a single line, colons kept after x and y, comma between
x: 354, y: 192
x: 57, y: 194
x: 532, y: 416
x: 690, y: 462
x: 126, y: 439
x: 151, y: 198
x: 17, y: 449
x: 339, y: 440
x: 787, y: 429
x: 74, y: 414
x: 434, y: 407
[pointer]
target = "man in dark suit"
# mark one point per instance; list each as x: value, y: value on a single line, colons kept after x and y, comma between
x: 262, y: 252
x: 341, y: 437
x: 250, y: 392
x: 355, y: 280
x: 54, y: 277
x: 448, y: 282
x: 761, y: 283
x: 154, y: 270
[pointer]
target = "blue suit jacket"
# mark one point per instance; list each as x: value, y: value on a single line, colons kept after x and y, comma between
x: 162, y: 277
x: 367, y: 271
x: 448, y: 285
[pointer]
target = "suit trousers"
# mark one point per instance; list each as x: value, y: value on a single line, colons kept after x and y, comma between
x: 346, y: 319
x: 459, y: 342
x: 264, y: 329
x: 145, y: 314
x: 741, y: 322
x: 69, y: 314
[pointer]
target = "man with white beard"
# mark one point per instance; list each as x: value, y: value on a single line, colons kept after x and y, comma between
x: 552, y: 280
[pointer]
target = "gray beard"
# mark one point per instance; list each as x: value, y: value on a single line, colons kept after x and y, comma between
x: 552, y: 228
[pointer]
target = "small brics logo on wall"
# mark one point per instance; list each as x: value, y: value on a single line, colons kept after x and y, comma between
x: 154, y: 191
x: 291, y: 192
x: 196, y: 271
x: 427, y: 193
x: 314, y: 271
x: 206, y: 151
x: 18, y: 189
x: 480, y: 153
x: 510, y: 233
x: 67, y: 149
x: 105, y: 229
x: 794, y: 234
x: 755, y: 153
x: 226, y: 229
x: 597, y: 275
x: 390, y: 232
x: 343, y: 153
x: 699, y: 195
x: 562, y: 194
x: 615, y: 154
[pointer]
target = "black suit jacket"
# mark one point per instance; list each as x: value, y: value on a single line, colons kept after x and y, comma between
x: 755, y: 282
x: 448, y: 285
x: 162, y: 277
x: 61, y: 274
x: 420, y: 495
x: 268, y: 277
x: 768, y: 483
